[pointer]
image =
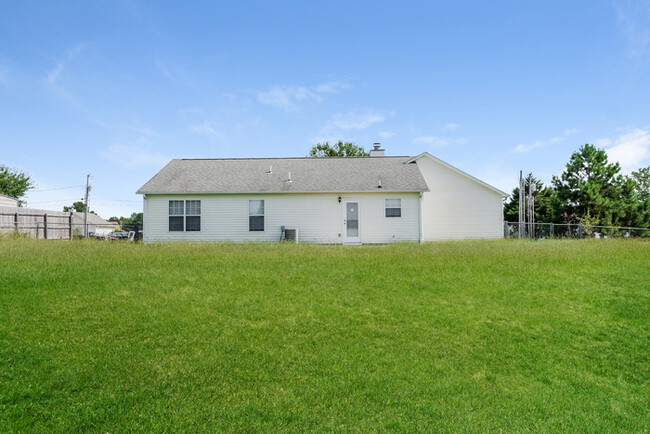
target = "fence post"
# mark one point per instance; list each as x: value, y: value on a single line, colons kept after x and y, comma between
x: 580, y: 230
x: 45, y: 226
x: 551, y: 231
x: 70, y: 224
x: 505, y: 229
x: 16, y: 221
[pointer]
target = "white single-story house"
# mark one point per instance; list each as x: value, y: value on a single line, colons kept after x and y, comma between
x: 96, y: 224
x: 8, y: 201
x: 351, y: 200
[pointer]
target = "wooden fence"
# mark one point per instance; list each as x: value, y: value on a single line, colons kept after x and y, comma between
x: 36, y: 223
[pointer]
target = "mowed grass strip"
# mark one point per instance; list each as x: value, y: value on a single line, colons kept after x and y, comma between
x: 451, y: 336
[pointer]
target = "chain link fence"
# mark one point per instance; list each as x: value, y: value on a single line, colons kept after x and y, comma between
x: 570, y: 230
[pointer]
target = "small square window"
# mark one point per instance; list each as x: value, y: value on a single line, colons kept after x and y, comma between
x: 192, y: 207
x: 192, y: 223
x: 175, y: 207
x: 393, y: 207
x: 176, y: 224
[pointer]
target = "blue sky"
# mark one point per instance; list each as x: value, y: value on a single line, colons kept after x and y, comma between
x: 116, y: 89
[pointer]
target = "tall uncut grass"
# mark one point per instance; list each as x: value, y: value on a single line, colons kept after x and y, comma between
x: 453, y: 336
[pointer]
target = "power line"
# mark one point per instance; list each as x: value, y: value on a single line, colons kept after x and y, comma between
x: 51, y: 201
x: 57, y: 188
x: 97, y: 199
x: 116, y: 200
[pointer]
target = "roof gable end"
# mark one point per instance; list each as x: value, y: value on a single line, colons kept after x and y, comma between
x: 457, y: 170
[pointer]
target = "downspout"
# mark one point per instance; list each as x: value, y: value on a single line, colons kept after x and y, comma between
x: 282, y: 228
x: 145, y: 217
x: 421, y: 219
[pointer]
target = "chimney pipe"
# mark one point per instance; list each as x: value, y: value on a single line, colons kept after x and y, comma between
x: 376, y: 152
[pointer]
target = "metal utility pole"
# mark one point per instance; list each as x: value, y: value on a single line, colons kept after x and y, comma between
x: 86, y: 206
x: 531, y: 207
x: 522, y: 213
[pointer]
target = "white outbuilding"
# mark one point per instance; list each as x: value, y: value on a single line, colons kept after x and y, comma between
x: 8, y: 201
x: 351, y: 200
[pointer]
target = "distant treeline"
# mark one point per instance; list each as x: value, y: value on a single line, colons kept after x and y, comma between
x: 591, y: 191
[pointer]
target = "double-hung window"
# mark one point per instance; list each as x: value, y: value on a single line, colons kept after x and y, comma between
x: 184, y: 215
x: 255, y: 215
x: 393, y: 207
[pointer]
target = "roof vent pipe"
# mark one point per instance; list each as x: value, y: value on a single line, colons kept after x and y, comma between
x: 377, y: 151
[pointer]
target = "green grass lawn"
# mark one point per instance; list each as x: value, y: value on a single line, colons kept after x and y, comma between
x: 452, y: 336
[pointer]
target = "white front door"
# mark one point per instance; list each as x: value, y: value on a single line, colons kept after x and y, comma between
x: 351, y: 223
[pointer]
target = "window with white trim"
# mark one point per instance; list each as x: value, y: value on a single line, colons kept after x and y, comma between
x: 393, y: 207
x: 184, y: 215
x: 255, y: 215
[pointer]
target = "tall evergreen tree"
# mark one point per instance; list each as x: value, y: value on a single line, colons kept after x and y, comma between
x: 590, y: 187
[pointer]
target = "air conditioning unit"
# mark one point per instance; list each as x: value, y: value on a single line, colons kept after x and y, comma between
x: 291, y: 235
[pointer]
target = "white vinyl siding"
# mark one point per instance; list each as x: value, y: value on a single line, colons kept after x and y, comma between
x: 318, y: 217
x: 8, y: 201
x: 457, y: 207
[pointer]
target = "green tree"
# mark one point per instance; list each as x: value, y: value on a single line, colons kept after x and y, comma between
x: 639, y: 205
x: 132, y: 223
x: 631, y: 209
x: 77, y: 206
x: 339, y: 149
x: 546, y: 203
x: 14, y: 183
x: 590, y: 187
x: 642, y: 179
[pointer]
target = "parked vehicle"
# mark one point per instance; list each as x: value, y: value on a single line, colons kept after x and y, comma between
x: 118, y: 236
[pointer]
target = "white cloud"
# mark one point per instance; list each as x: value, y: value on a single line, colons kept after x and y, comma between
x: 287, y: 98
x: 176, y: 74
x: 357, y: 120
x: 330, y: 87
x: 54, y: 76
x: 521, y: 148
x: 135, y: 154
x: 631, y: 150
x: 386, y: 134
x: 431, y: 141
x: 290, y: 97
x: 603, y: 143
x: 451, y: 127
x: 461, y: 140
x: 527, y: 148
x: 204, y: 128
x: 634, y: 24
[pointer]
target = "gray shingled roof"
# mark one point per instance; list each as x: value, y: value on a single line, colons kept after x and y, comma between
x: 93, y: 219
x: 308, y: 175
